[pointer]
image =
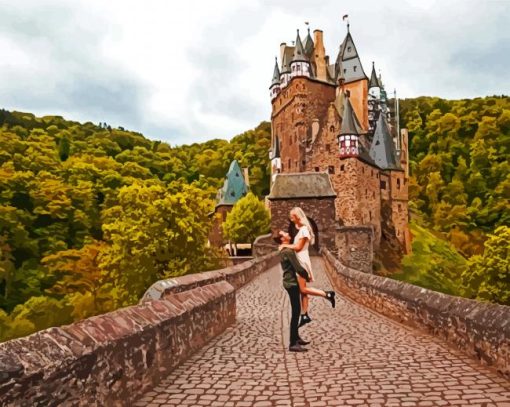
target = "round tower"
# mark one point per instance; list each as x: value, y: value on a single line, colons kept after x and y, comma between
x: 274, y: 89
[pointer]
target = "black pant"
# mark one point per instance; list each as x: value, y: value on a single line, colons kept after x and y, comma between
x: 295, y: 303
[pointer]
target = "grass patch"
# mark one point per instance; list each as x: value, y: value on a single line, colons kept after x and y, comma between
x: 433, y: 264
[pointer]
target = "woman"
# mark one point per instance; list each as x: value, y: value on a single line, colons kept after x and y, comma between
x: 301, y: 243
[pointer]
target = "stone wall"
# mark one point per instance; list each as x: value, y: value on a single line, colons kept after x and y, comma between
x: 111, y: 358
x: 355, y: 247
x: 482, y: 330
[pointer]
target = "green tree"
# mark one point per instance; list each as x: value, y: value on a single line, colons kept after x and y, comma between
x: 487, y: 277
x: 248, y: 219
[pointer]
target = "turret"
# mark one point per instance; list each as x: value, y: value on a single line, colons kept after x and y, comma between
x: 308, y: 45
x: 300, y: 64
x: 382, y: 150
x: 274, y: 89
x: 348, y: 139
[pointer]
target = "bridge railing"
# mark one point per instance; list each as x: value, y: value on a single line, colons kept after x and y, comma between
x: 110, y: 359
x: 480, y: 329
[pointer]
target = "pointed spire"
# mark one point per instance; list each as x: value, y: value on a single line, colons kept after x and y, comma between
x: 382, y: 150
x: 348, y: 119
x: 349, y: 60
x: 299, y: 52
x: 374, y: 82
x: 276, y: 73
x: 309, y: 45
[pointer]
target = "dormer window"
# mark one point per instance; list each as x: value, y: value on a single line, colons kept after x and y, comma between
x: 345, y: 70
x: 355, y: 68
x: 349, y: 49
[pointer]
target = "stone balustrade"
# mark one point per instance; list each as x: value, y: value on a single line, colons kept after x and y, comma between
x: 480, y: 329
x: 111, y: 358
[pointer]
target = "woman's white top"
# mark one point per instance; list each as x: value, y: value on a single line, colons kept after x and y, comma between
x: 302, y: 255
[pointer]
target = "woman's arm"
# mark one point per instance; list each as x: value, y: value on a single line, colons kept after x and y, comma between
x: 297, y: 246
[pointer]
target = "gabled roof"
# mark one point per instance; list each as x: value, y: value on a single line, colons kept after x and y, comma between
x: 383, y: 150
x: 234, y: 187
x: 308, y: 45
x: 374, y: 82
x: 276, y: 73
x: 302, y: 185
x: 348, y: 61
x: 299, y: 52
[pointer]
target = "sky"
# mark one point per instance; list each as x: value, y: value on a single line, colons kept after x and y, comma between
x: 191, y: 71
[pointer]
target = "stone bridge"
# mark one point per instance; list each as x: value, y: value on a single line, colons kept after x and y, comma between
x: 220, y: 339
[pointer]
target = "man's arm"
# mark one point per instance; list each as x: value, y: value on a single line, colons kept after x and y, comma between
x: 291, y: 256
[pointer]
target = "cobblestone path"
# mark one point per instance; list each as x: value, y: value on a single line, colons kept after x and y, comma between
x: 356, y: 358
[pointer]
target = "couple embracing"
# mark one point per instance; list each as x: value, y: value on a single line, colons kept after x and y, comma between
x: 297, y: 272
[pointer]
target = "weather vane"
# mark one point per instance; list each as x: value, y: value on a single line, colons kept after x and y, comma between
x: 346, y: 18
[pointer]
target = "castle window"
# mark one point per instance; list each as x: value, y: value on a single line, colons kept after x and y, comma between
x: 372, y: 173
x: 398, y: 183
x: 345, y: 70
x: 383, y: 184
x: 370, y: 214
x: 349, y: 49
x: 303, y: 163
x: 283, y: 166
x: 366, y: 193
x: 355, y: 68
x: 399, y: 208
x: 377, y: 175
x: 363, y: 170
x: 342, y: 168
x: 331, y: 169
x: 373, y: 195
x: 328, y: 148
x: 316, y: 169
x: 295, y: 164
x: 289, y: 163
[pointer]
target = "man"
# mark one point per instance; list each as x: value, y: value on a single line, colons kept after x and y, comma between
x: 290, y: 266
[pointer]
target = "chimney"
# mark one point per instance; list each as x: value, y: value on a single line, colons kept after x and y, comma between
x: 246, y: 177
x: 282, y: 50
x: 319, y: 55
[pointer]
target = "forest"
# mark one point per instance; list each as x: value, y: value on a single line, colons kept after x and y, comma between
x: 91, y: 216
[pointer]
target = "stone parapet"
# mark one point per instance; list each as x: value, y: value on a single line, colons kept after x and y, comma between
x: 111, y: 358
x: 108, y: 359
x: 355, y: 246
x: 481, y: 330
x: 237, y: 275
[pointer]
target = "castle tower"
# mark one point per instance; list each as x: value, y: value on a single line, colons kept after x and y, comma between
x: 394, y: 187
x: 348, y: 139
x: 356, y: 82
x: 274, y: 89
x: 300, y: 64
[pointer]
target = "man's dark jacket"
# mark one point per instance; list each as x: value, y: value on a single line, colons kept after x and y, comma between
x: 290, y: 266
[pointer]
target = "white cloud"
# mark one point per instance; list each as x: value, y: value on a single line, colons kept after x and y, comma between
x: 190, y: 71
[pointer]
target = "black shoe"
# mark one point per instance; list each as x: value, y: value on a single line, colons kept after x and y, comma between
x: 305, y: 319
x: 302, y: 342
x: 330, y: 296
x: 297, y: 348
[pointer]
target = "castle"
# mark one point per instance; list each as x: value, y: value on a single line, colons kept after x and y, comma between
x: 331, y: 118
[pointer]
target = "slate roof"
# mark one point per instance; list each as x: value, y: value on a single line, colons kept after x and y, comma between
x: 302, y: 185
x: 288, y: 52
x: 299, y: 52
x: 275, y: 151
x: 348, y: 61
x: 234, y: 187
x: 308, y: 45
x: 383, y: 150
x: 276, y: 74
x: 374, y: 82
x: 349, y: 125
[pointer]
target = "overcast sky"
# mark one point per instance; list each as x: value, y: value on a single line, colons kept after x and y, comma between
x: 191, y: 71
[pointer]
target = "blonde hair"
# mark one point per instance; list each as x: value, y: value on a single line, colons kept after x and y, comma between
x: 304, y: 221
